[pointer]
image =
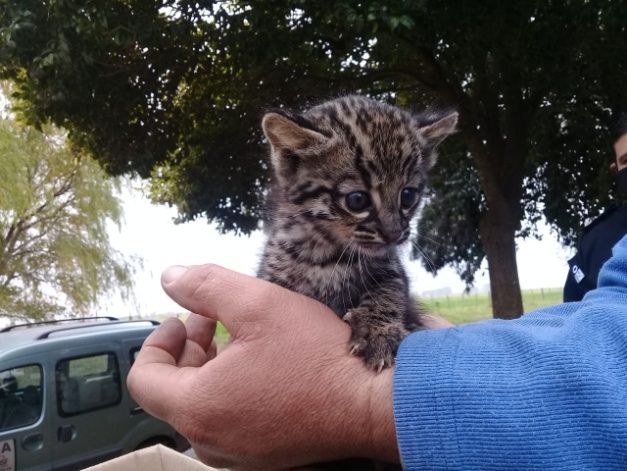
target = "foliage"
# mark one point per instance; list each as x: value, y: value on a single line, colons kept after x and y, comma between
x: 174, y: 90
x: 55, y: 205
x: 448, y: 228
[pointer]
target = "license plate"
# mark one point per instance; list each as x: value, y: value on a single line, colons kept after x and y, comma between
x: 7, y: 455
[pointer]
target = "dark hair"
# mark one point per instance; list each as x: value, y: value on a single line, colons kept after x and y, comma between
x: 620, y: 125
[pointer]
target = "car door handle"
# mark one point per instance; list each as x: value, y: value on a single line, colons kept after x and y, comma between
x: 66, y: 433
x: 33, y: 442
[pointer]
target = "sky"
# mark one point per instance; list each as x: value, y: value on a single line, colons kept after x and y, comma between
x: 149, y: 232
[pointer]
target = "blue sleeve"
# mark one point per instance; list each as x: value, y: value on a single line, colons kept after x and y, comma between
x: 547, y: 391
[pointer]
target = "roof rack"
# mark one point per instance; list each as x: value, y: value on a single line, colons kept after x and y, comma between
x: 57, y: 321
x: 47, y: 334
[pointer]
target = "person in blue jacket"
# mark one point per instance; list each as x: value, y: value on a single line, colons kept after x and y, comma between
x: 598, y: 237
x: 546, y: 391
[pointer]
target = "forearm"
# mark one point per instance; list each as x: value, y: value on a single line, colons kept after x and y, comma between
x: 542, y: 392
x: 547, y: 391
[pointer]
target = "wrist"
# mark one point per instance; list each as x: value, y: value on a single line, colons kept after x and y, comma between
x: 362, y: 417
x: 373, y: 431
x: 382, y: 429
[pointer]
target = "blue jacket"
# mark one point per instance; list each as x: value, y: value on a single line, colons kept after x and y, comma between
x: 546, y: 391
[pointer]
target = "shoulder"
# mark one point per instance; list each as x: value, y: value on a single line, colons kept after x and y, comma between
x: 609, y: 211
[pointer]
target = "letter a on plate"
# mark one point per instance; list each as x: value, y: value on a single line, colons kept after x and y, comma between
x: 7, y: 455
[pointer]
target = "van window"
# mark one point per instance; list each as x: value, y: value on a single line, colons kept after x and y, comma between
x: 133, y: 353
x: 87, y: 383
x: 20, y: 396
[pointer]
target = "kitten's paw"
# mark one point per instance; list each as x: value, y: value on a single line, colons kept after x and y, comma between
x: 377, y: 342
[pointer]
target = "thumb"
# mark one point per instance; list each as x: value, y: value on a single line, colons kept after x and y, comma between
x: 239, y: 301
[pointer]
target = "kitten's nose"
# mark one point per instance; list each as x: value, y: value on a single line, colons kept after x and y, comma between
x: 391, y: 235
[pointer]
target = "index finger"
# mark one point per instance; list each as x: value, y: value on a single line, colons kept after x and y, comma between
x: 200, y: 330
x: 154, y: 379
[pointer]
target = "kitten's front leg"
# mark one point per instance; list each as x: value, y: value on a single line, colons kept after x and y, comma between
x: 378, y: 325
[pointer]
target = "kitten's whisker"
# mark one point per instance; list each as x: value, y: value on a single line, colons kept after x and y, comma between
x: 348, y: 266
x: 424, y: 255
x: 366, y: 288
x: 369, y: 274
x: 361, y: 271
x: 291, y: 216
x: 326, y: 289
x: 286, y: 217
x: 432, y: 240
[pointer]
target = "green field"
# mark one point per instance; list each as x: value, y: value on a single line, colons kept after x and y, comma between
x: 461, y: 309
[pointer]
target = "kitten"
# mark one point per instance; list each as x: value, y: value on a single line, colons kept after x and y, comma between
x: 348, y: 177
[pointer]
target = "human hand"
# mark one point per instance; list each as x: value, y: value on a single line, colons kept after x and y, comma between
x: 284, y: 392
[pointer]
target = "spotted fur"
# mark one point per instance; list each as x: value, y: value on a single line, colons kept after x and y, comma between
x: 317, y: 245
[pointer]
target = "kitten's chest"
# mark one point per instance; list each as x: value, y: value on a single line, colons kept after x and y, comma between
x: 337, y: 284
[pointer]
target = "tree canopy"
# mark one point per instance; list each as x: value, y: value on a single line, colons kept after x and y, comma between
x: 55, y: 204
x: 174, y: 90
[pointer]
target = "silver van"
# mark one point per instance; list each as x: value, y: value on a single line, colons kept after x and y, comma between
x: 63, y: 398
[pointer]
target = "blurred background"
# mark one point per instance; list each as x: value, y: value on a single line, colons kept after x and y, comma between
x: 130, y: 138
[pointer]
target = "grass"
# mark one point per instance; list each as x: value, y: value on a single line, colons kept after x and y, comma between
x: 459, y: 309
x: 222, y: 336
x: 462, y: 309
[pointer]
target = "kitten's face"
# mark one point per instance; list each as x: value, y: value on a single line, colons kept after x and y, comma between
x: 373, y: 212
x: 355, y: 167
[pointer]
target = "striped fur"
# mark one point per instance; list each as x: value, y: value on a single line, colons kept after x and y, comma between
x: 317, y: 245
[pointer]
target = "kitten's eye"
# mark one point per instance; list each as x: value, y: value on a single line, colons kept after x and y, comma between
x: 357, y: 200
x: 408, y: 197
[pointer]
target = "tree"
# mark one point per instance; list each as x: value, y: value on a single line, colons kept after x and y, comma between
x: 174, y: 90
x: 55, y: 205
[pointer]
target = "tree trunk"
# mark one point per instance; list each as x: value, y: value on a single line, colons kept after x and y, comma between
x: 499, y: 244
x: 498, y: 142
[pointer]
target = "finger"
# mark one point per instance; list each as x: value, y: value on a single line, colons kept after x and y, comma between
x: 165, y: 344
x: 154, y: 379
x: 212, y: 351
x: 200, y: 330
x: 238, y: 301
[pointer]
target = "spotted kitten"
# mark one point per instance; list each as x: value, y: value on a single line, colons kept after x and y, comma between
x: 348, y: 178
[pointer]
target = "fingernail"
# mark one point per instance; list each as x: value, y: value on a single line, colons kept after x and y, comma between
x: 173, y: 273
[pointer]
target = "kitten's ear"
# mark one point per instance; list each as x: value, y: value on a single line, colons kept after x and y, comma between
x: 437, y: 129
x: 290, y: 134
